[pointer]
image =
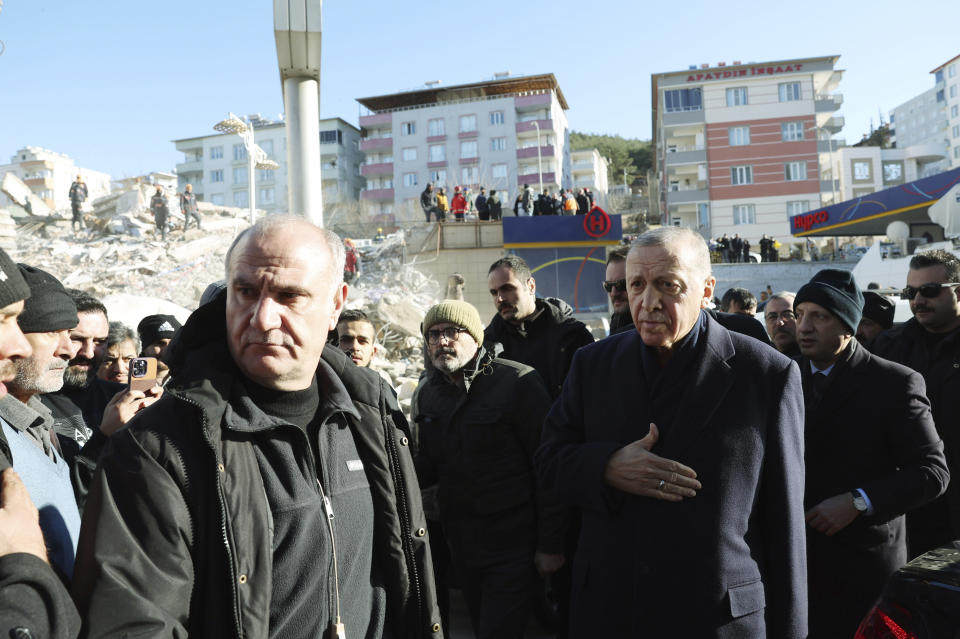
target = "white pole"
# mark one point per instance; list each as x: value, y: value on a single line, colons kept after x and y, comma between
x: 301, y: 98
x: 539, y: 162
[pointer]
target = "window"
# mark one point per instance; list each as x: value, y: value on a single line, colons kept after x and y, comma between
x: 438, y: 153
x: 265, y: 196
x: 217, y: 198
x: 892, y: 171
x: 791, y: 131
x: 241, y: 198
x: 468, y: 150
x: 953, y: 91
x: 938, y: 77
x: 496, y: 117
x: 952, y: 70
x: 796, y: 207
x: 736, y: 96
x: 469, y: 175
x: 745, y: 214
x: 334, y: 136
x: 266, y: 175
x: 954, y: 111
x: 956, y: 131
x: 409, y: 179
x: 216, y: 176
x: 239, y: 152
x: 861, y: 170
x: 468, y: 123
x: 683, y: 100
x: 739, y: 135
x: 789, y: 91
x: 956, y: 152
x: 941, y: 97
x: 498, y: 171
x: 267, y: 146
x: 409, y: 154
x: 436, y: 127
x: 216, y: 152
x: 498, y: 144
x: 741, y: 175
x: 408, y: 128
x: 240, y: 175
x: 439, y: 177
x: 795, y: 171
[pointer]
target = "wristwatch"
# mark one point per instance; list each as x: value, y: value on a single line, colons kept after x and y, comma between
x: 858, y: 501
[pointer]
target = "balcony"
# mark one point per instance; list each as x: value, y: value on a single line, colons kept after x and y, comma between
x: 834, y: 124
x: 468, y: 161
x: 525, y: 127
x: 829, y: 146
x: 376, y: 144
x: 437, y: 164
x: 532, y: 102
x: 531, y: 152
x: 830, y: 186
x: 39, y: 182
x: 195, y: 166
x: 466, y: 135
x: 827, y: 103
x: 675, y: 118
x: 376, y: 194
x: 377, y: 120
x: 534, y: 178
x: 699, y: 193
x: 693, y: 156
x: 436, y: 138
x: 380, y: 168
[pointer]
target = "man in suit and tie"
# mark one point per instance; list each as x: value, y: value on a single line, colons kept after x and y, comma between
x: 681, y: 444
x: 872, y: 454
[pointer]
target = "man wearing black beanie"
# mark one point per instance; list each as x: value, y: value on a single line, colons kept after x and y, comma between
x: 871, y: 450
x: 878, y: 312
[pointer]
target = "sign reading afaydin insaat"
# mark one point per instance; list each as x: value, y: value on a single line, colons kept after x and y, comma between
x: 807, y: 221
x: 725, y: 74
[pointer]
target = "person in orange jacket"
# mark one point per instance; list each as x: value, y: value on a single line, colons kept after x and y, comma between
x: 459, y: 204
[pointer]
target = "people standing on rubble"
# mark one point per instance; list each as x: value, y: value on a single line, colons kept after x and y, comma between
x: 161, y: 211
x: 443, y: 205
x: 351, y: 267
x: 458, y: 205
x: 78, y: 193
x: 188, y: 206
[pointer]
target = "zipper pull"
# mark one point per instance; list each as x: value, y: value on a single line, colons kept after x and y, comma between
x: 338, y: 630
x: 328, y: 507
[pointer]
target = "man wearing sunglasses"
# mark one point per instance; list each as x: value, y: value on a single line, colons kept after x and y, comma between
x: 615, y: 285
x: 479, y: 421
x: 929, y: 343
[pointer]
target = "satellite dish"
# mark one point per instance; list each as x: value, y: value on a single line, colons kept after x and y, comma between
x: 898, y: 231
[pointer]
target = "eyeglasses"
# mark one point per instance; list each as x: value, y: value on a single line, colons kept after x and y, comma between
x: 930, y: 290
x: 620, y: 284
x: 451, y: 333
x: 786, y: 316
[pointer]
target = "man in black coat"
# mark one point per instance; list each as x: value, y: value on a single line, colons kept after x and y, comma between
x: 929, y: 343
x: 479, y: 419
x: 693, y: 528
x: 872, y: 454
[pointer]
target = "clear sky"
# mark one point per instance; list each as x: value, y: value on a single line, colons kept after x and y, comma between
x: 112, y: 82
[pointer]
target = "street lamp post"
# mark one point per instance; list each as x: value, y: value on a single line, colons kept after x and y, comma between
x: 256, y: 157
x: 539, y: 161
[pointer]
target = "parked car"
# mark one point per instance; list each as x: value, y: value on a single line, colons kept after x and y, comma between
x: 920, y: 601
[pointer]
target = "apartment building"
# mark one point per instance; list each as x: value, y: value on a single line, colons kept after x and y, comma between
x: 589, y: 169
x: 500, y: 134
x: 947, y: 85
x: 217, y: 165
x: 866, y: 169
x: 742, y: 147
x: 49, y: 175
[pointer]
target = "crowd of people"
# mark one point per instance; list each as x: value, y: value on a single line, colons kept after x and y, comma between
x: 696, y: 473
x: 736, y: 249
x: 437, y: 204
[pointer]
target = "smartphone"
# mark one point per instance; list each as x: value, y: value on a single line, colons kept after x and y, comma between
x: 143, y: 373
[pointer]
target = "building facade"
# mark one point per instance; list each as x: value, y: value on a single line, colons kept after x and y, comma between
x: 741, y: 148
x: 922, y: 121
x: 866, y: 169
x: 49, y: 175
x: 947, y: 85
x: 589, y: 169
x: 500, y: 134
x: 217, y: 165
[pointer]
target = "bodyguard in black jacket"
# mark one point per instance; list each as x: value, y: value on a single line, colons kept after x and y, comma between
x: 872, y: 454
x: 270, y: 491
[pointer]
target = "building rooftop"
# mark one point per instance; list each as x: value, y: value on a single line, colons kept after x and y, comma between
x: 258, y: 125
x: 945, y: 63
x: 736, y: 66
x: 475, y: 90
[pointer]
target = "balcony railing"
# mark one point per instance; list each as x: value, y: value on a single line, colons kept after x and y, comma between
x: 531, y: 152
x: 376, y: 144
x: 376, y: 120
x: 524, y: 127
x: 533, y: 178
x: 379, y: 168
x: 686, y: 156
x: 376, y: 194
x: 828, y: 103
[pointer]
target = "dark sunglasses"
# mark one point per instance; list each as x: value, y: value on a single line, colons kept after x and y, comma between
x: 620, y: 284
x: 927, y: 290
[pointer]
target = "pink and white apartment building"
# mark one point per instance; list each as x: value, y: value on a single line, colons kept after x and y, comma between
x: 742, y: 147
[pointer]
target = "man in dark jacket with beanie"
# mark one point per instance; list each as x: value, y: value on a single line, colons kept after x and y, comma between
x: 479, y: 419
x: 270, y: 492
x: 33, y: 600
x: 878, y: 312
x: 872, y: 454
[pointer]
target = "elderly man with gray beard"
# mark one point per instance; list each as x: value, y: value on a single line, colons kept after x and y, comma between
x: 479, y: 420
x: 47, y: 318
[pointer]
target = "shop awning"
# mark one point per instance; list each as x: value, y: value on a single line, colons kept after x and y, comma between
x: 870, y: 214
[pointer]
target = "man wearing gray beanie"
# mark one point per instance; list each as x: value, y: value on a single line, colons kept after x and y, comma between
x: 33, y: 600
x: 872, y: 453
